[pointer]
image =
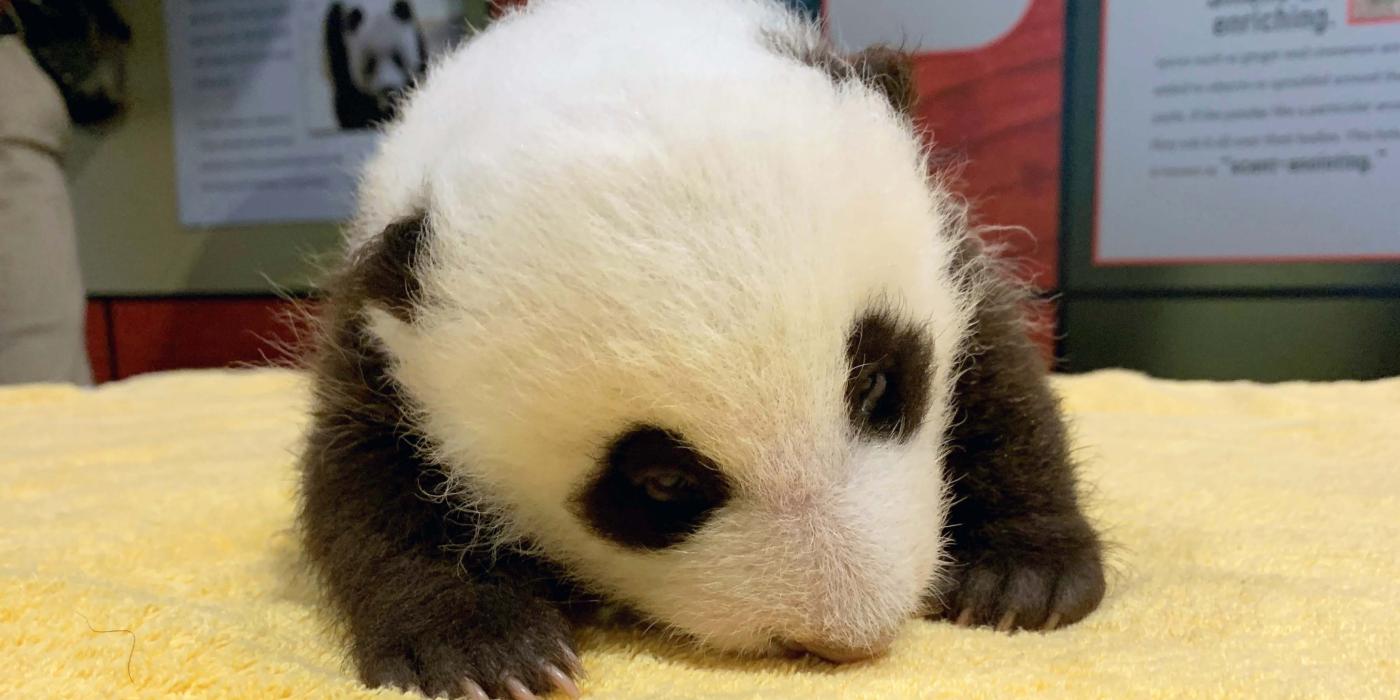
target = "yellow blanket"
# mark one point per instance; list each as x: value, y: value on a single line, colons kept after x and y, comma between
x: 1257, y: 535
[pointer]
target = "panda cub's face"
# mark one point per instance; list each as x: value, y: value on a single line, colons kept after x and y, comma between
x: 725, y: 412
x: 383, y: 46
x: 687, y: 330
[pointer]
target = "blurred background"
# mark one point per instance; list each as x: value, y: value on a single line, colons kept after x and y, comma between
x: 1194, y: 190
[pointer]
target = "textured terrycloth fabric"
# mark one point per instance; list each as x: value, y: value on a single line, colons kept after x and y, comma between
x: 1257, y: 555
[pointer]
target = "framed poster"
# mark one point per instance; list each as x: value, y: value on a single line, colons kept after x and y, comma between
x: 1236, y: 144
x: 1231, y: 187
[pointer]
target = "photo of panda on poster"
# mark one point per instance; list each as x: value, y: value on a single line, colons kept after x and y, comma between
x: 360, y: 56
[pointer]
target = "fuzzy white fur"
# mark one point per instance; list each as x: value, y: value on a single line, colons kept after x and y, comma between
x: 641, y: 213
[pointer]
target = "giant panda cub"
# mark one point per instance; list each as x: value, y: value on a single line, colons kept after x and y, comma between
x: 656, y: 303
x: 374, y: 51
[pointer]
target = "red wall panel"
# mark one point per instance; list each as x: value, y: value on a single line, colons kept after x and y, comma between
x: 151, y: 335
x: 997, y: 110
x: 99, y: 340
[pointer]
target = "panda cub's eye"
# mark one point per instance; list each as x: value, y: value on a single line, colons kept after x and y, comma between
x: 870, y: 388
x: 652, y: 490
x: 664, y: 483
x: 887, y: 391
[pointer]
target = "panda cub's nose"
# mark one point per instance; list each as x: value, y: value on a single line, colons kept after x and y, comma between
x: 838, y: 653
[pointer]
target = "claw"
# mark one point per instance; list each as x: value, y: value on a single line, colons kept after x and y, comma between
x: 964, y: 618
x: 1051, y: 622
x: 575, y: 664
x: 518, y: 691
x: 934, y: 611
x: 1007, y: 620
x: 562, y: 681
x: 472, y: 691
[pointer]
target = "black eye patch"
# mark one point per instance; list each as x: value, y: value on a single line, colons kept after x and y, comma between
x: 652, y: 491
x: 887, y: 391
x: 354, y: 19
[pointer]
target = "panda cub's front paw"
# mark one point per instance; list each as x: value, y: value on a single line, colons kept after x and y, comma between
x: 473, y: 656
x: 1022, y: 590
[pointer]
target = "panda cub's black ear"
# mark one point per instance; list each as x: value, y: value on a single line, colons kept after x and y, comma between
x: 891, y: 73
x: 385, y: 271
x: 403, y: 11
x: 885, y: 70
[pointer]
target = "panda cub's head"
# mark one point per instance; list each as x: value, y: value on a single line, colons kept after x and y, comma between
x: 682, y: 321
x: 376, y: 51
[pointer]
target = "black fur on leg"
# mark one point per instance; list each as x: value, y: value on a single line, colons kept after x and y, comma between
x: 1025, y: 556
x: 418, y: 615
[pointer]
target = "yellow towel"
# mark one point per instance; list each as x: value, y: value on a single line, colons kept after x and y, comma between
x: 1257, y: 532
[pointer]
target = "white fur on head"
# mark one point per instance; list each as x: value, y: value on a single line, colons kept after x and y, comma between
x: 640, y: 213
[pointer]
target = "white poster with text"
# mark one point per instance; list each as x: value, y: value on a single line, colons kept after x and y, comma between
x: 1249, y: 130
